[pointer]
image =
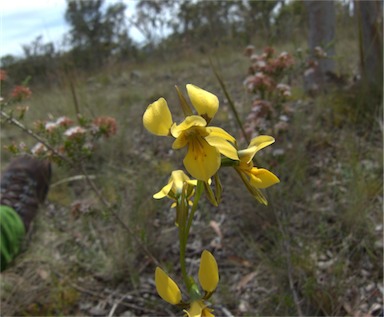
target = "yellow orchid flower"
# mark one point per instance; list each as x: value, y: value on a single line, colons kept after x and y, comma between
x: 255, y: 178
x: 208, y: 278
x: 204, y: 144
x: 179, y: 183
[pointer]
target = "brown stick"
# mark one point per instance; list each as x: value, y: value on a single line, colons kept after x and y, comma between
x: 34, y: 135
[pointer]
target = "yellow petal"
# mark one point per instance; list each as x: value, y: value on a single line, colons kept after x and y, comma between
x: 216, y: 131
x: 261, y: 142
x: 202, y: 160
x: 157, y: 119
x: 208, y: 272
x: 192, y: 182
x: 189, y: 122
x: 196, y: 309
x: 191, y: 187
x: 207, y: 312
x: 255, y: 192
x: 256, y: 144
x: 167, y: 288
x: 180, y: 142
x: 175, y: 185
x: 262, y: 178
x: 164, y: 191
x: 189, y: 134
x: 179, y: 178
x: 223, y: 146
x: 247, y: 155
x: 205, y: 103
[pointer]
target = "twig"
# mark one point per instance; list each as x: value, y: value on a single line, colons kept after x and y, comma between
x: 112, y: 311
x: 225, y: 311
x: 34, y: 135
x: 102, y: 296
x: 73, y: 178
x: 74, y: 96
x: 108, y: 205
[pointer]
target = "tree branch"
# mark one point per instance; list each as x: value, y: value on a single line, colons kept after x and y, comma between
x: 34, y: 135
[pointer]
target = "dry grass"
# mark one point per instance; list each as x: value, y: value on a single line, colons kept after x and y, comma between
x: 315, y: 250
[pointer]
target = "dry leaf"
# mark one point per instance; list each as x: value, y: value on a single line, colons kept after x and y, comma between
x: 216, y: 227
x: 240, y: 261
x: 245, y: 280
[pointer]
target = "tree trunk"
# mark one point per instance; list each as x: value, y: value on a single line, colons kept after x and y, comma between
x: 321, y: 22
x: 370, y: 26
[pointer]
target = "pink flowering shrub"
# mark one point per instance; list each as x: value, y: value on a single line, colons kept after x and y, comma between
x: 61, y: 139
x: 3, y: 75
x: 17, y: 97
x: 105, y: 126
x: 21, y: 92
x: 267, y: 81
x: 75, y: 140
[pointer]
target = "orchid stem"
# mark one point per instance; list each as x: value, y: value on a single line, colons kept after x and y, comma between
x: 183, y: 211
x: 184, y: 228
x: 199, y: 191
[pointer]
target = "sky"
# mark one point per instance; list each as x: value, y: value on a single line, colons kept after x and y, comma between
x: 22, y: 21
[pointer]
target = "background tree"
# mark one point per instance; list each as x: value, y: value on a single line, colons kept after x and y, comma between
x: 39, y: 62
x: 85, y: 18
x: 152, y: 18
x: 257, y: 17
x: 321, y: 24
x: 370, y: 29
x: 96, y: 33
x: 290, y: 21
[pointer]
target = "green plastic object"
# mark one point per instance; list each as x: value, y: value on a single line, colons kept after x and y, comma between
x: 12, y: 232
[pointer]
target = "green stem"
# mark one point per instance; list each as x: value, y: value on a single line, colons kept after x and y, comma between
x: 225, y: 161
x: 230, y: 102
x: 184, y: 228
x: 183, y: 211
x: 199, y: 191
